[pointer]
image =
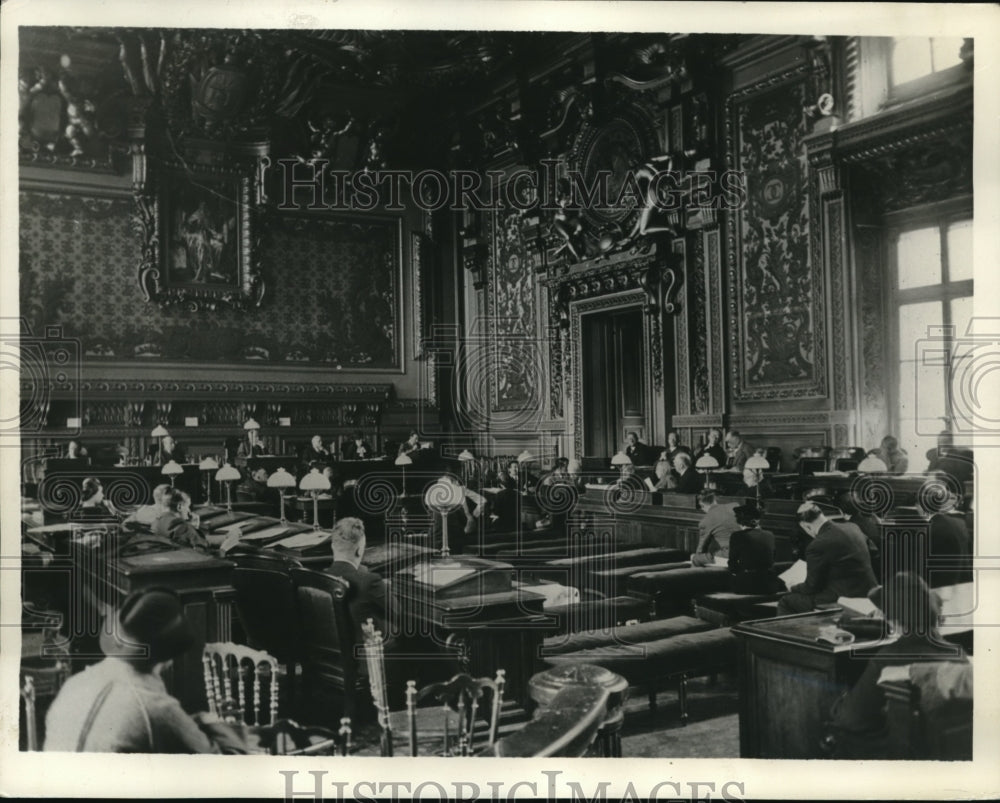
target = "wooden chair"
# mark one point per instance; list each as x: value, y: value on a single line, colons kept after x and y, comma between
x: 453, y: 720
x: 846, y: 458
x: 810, y: 459
x: 227, y: 667
x: 329, y: 654
x: 45, y: 666
x: 267, y: 607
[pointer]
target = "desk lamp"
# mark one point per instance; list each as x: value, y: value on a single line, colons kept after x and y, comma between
x: 314, y: 482
x: 281, y: 479
x: 208, y: 465
x: 172, y: 468
x: 706, y: 465
x: 621, y: 460
x: 872, y: 465
x: 404, y: 460
x: 228, y: 474
x: 757, y: 464
x: 443, y: 497
x: 251, y: 427
x: 159, y: 433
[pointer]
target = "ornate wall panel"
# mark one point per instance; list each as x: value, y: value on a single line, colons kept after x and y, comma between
x: 336, y: 286
x: 518, y: 356
x: 776, y: 313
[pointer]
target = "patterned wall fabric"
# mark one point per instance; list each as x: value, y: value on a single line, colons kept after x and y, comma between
x: 518, y: 354
x: 333, y: 290
x: 778, y: 295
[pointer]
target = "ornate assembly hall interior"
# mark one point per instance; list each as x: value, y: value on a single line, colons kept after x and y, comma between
x: 499, y: 394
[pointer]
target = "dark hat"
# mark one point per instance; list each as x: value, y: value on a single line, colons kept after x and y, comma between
x: 150, y: 626
x: 748, y: 510
x: 907, y: 599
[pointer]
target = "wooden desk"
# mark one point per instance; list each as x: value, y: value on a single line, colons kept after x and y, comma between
x: 789, y: 681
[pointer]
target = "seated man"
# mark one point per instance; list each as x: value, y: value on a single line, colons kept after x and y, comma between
x: 120, y: 705
x: 738, y: 451
x: 254, y: 487
x: 674, y: 446
x: 714, y: 530
x: 683, y: 479
x: 357, y: 448
x: 146, y: 516
x: 838, y: 563
x: 368, y: 596
x: 179, y: 524
x: 913, y: 612
x: 315, y: 454
x: 751, y: 554
x: 168, y: 450
x: 636, y: 450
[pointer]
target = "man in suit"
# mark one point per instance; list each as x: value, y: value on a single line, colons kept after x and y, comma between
x: 683, y: 479
x: 714, y: 530
x: 838, y: 563
x: 738, y: 451
x: 315, y: 454
x: 636, y: 450
x: 368, y: 595
x: 171, y: 450
x: 357, y: 448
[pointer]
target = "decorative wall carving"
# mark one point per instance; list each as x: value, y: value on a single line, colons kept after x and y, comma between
x: 776, y: 317
x: 516, y: 373
x: 698, y: 321
x: 336, y: 302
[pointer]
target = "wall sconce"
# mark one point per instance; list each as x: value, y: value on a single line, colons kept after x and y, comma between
x: 208, y: 465
x: 313, y: 483
x: 228, y: 474
x: 758, y: 465
x: 621, y: 460
x: 281, y: 479
x: 159, y: 433
x: 172, y: 469
x: 403, y: 461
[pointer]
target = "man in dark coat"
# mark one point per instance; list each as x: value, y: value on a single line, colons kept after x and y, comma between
x: 837, y: 563
x: 368, y: 595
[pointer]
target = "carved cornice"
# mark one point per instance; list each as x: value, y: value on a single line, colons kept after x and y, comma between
x: 116, y: 388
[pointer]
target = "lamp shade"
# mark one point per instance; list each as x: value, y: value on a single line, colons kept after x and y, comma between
x: 444, y: 495
x: 228, y: 473
x: 251, y: 424
x: 208, y: 464
x: 314, y: 481
x: 159, y: 432
x: 281, y: 479
x: 466, y: 456
x: 706, y: 463
x: 872, y: 465
x: 172, y: 468
x: 621, y: 459
x: 404, y: 460
x: 525, y: 457
x: 757, y: 462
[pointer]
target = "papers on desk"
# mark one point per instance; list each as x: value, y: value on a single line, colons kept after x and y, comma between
x: 859, y: 605
x: 795, y: 574
x: 438, y: 575
x: 304, y: 540
x: 267, y: 532
x: 830, y: 474
x: 61, y: 527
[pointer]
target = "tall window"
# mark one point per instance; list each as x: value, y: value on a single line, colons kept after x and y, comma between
x: 932, y: 306
x: 914, y: 57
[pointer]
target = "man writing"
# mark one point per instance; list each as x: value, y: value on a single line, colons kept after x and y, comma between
x: 838, y: 563
x: 714, y: 530
x: 368, y: 594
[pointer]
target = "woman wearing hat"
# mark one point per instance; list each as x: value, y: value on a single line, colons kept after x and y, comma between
x: 912, y: 611
x: 751, y: 554
x: 120, y: 705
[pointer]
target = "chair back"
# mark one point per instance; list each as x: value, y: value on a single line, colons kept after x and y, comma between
x: 328, y: 634
x: 227, y: 668
x: 266, y: 603
x: 287, y: 738
x: 375, y: 663
x: 846, y: 458
x: 459, y: 700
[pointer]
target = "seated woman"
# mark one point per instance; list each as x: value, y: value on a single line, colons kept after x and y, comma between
x: 93, y: 504
x: 751, y: 554
x: 913, y: 612
x: 178, y: 523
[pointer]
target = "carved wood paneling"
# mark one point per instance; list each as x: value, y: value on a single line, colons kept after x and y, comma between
x: 776, y: 314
